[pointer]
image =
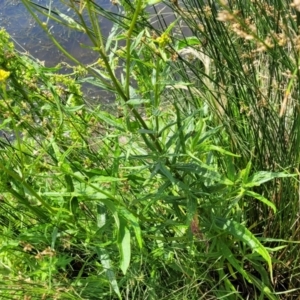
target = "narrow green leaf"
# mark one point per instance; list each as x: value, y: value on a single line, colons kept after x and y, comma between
x: 244, y: 174
x: 260, y: 268
x: 241, y: 233
x: 265, y: 291
x: 164, y: 171
x: 137, y: 40
x: 233, y: 261
x: 146, y: 131
x: 262, y: 199
x: 36, y: 209
x: 98, y: 82
x: 230, y: 168
x: 124, y: 245
x: 74, y: 108
x: 29, y: 190
x: 110, y: 274
x: 70, y: 22
x: 263, y: 176
x: 112, y: 37
x: 133, y: 221
x: 105, y: 179
x: 188, y: 41
x: 221, y: 150
x: 110, y: 120
x: 171, y: 26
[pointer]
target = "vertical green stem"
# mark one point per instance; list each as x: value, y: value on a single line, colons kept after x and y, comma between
x: 128, y: 45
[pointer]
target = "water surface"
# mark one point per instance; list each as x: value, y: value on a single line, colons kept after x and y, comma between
x: 31, y: 37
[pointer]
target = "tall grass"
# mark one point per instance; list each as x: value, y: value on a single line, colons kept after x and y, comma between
x: 254, y: 87
x: 181, y: 192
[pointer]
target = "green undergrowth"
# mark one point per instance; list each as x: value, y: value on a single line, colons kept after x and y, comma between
x: 155, y: 200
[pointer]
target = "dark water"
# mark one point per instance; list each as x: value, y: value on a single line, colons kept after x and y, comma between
x: 30, y: 38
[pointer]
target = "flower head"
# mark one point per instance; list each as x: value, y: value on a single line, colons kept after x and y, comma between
x: 4, y: 75
x: 163, y: 40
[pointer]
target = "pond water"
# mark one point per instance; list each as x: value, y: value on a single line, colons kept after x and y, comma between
x: 29, y: 37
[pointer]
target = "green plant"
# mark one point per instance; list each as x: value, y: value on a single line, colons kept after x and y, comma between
x: 250, y: 82
x: 148, y: 203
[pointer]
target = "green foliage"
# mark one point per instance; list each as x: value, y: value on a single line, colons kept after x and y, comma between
x: 157, y: 200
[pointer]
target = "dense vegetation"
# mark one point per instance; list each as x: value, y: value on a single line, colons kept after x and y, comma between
x: 188, y: 188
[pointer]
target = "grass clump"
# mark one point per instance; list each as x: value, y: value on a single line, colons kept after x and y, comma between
x: 181, y: 191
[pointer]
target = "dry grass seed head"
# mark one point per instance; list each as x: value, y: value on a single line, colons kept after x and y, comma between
x: 296, y: 4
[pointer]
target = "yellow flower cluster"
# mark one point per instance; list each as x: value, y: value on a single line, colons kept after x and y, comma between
x: 4, y: 75
x: 163, y: 40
